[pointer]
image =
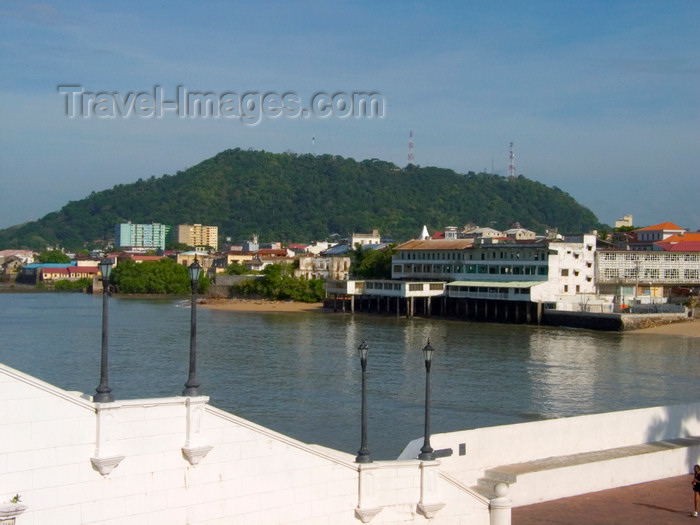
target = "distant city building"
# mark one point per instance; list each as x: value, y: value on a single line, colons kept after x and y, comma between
x: 198, y: 236
x: 626, y: 221
x: 140, y: 237
x: 520, y: 234
x: 646, y: 237
x: 365, y: 238
x: 480, y: 233
x: 336, y: 268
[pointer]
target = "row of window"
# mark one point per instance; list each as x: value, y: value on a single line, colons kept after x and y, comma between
x: 463, y: 256
x: 690, y: 274
x: 672, y: 257
x: 490, y: 269
x: 484, y: 289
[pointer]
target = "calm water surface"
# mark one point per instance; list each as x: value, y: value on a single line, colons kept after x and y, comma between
x: 299, y: 373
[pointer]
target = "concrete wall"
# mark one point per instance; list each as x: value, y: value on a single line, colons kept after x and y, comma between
x: 487, y: 448
x: 180, y: 461
x: 610, y: 321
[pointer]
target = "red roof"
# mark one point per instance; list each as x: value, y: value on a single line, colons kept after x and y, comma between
x: 83, y: 269
x: 271, y: 252
x: 683, y: 238
x: 687, y: 246
x: 55, y: 270
x: 661, y: 226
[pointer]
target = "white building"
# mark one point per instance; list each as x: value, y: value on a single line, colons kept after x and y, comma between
x: 365, y: 238
x: 336, y: 268
x: 557, y: 271
x: 645, y: 274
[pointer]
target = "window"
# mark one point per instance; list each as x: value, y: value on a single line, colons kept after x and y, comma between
x: 566, y: 288
x: 415, y: 287
x: 565, y: 272
x: 578, y: 288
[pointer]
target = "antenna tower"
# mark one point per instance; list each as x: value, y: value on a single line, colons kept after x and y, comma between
x: 411, y: 152
x: 511, y: 167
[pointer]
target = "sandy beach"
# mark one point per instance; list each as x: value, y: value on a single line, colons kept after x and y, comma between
x: 687, y: 329
x: 260, y: 305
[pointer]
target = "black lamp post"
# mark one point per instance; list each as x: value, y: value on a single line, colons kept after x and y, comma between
x: 104, y: 393
x: 363, y: 455
x: 426, y: 452
x: 192, y: 385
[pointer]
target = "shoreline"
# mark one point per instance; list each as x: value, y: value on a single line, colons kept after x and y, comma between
x: 261, y: 305
x: 681, y: 328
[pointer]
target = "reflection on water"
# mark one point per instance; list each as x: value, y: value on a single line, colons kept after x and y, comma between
x: 300, y: 373
x: 563, y: 369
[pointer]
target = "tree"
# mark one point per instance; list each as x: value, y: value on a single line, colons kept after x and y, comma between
x: 164, y: 276
x: 374, y: 263
x: 236, y: 268
x: 53, y: 256
x: 278, y: 283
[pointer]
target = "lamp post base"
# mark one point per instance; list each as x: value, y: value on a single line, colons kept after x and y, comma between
x: 103, y: 397
x: 192, y: 391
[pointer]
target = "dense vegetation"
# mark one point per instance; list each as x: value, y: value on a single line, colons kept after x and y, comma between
x: 154, y: 277
x: 277, y: 282
x: 300, y: 198
x: 66, y: 285
x: 372, y: 264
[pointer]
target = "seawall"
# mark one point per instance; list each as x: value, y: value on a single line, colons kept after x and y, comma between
x: 611, y: 321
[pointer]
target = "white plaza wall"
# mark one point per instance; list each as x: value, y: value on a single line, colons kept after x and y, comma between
x: 181, y: 461
x: 491, y: 447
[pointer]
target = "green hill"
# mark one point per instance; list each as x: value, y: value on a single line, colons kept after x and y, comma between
x: 300, y: 198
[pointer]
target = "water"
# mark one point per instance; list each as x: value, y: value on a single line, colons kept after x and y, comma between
x: 300, y: 374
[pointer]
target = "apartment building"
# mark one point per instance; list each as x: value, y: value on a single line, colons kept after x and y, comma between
x: 141, y: 237
x: 198, y: 236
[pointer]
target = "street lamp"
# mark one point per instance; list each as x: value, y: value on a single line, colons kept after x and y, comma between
x: 426, y: 452
x: 192, y: 386
x: 363, y: 455
x: 104, y: 393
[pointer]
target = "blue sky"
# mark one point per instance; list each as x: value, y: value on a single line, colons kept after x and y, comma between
x: 600, y: 99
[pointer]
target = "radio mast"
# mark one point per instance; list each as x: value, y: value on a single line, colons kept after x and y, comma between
x: 511, y: 167
x: 411, y: 152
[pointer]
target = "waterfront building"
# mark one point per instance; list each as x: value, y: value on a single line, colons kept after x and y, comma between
x: 141, y: 237
x: 548, y: 271
x: 198, y: 236
x: 486, y: 278
x: 632, y: 275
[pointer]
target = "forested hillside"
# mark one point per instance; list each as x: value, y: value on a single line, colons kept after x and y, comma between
x: 300, y: 198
